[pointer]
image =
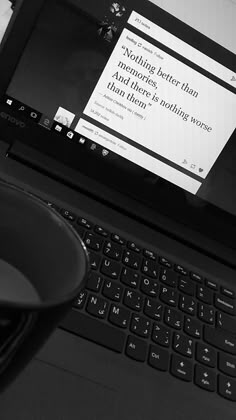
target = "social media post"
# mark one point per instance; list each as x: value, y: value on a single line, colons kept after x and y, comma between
x: 157, y: 101
x: 131, y: 153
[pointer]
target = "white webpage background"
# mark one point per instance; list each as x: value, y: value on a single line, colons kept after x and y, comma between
x: 213, y: 18
x: 160, y: 129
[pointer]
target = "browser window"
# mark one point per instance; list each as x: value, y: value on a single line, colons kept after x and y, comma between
x: 134, y: 80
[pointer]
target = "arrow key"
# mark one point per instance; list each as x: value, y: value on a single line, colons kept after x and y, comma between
x: 206, y: 355
x: 227, y: 387
x: 205, y: 378
x: 181, y: 368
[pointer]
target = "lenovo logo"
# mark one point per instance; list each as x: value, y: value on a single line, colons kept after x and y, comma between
x: 12, y: 120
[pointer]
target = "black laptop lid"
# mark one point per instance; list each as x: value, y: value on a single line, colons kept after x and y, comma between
x: 131, y: 96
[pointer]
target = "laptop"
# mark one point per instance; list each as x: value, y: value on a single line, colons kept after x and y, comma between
x: 121, y: 116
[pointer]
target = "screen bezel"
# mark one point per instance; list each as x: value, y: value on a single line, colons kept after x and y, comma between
x: 171, y: 201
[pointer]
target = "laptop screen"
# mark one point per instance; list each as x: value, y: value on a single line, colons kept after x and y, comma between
x: 136, y: 86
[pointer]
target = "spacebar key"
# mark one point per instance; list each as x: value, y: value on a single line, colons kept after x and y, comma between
x: 94, y: 330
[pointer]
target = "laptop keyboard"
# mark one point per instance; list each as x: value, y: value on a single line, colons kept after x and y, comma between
x: 155, y: 311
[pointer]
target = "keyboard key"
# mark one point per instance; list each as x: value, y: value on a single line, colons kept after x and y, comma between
x: 206, y: 313
x: 226, y: 322
x: 116, y: 238
x: 173, y: 318
x: 211, y: 284
x: 161, y: 335
x: 153, y: 309
x: 110, y: 268
x: 80, y: 300
x: 149, y: 254
x: 181, y: 368
x: 225, y: 304
x: 94, y: 330
x: 166, y: 263
x: 133, y: 300
x: 94, y: 282
x: 130, y: 277
x: 140, y: 326
x: 168, y: 296
x: 168, y: 277
x: 220, y: 340
x: 227, y: 388
x: 101, y: 231
x: 84, y: 222
x: 196, y: 277
x: 149, y: 268
x: 204, y: 294
x: 193, y: 327
x: 181, y: 270
x: 93, y: 241
x: 136, y: 348
x: 183, y: 345
x: 227, y: 364
x: 94, y: 260
x: 97, y: 306
x: 131, y: 259
x: 134, y: 247
x: 227, y: 292
x: 112, y: 250
x: 119, y: 316
x: 205, y: 378
x: 187, y: 304
x: 112, y: 290
x: 149, y: 287
x: 186, y: 286
x: 206, y: 355
x: 158, y: 358
x: 68, y: 215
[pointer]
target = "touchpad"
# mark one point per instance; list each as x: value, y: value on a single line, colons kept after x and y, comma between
x: 43, y: 391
